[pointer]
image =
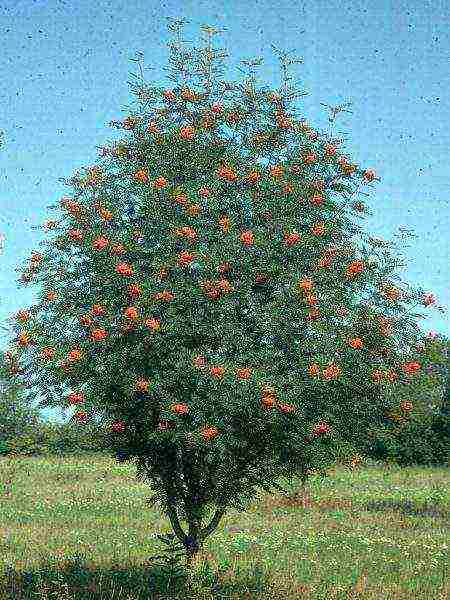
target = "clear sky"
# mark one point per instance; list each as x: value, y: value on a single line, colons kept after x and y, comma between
x: 64, y: 68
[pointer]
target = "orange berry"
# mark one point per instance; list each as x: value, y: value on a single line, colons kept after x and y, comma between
x: 169, y: 95
x: 310, y: 158
x: 76, y: 398
x: 377, y: 376
x: 134, y: 290
x: 253, y: 177
x: 86, y: 320
x: 317, y: 200
x: 154, y: 324
x: 180, y: 409
x: 224, y: 285
x: 74, y: 355
x: 354, y: 268
x: 411, y: 367
x: 24, y: 340
x: 227, y: 173
x: 224, y: 222
x: 187, y: 133
x: 141, y: 176
x: 292, y: 238
x: 160, y: 183
x: 276, y: 171
x: 332, y: 372
x: 311, y: 299
x: 36, y: 257
x: 369, y: 175
x: 321, y: 428
x: 318, y: 229
x: 268, y: 401
x: 288, y: 189
x: 106, y: 215
x: 124, y: 269
x: 244, y: 373
x: 210, y: 433
x: 306, y: 284
x: 284, y: 123
x: 131, y: 313
x: 118, y: 249
x: 129, y: 123
x: 23, y: 316
x: 194, y: 209
x: 188, y: 95
x: 247, y: 238
x: 48, y: 352
x: 181, y: 199
x: 98, y: 310
x: 204, y: 192
x: 81, y: 416
x: 142, y: 385
x: 286, y: 408
x: 314, y: 370
x: 76, y: 235
x: 217, y: 371
x: 165, y: 295
x: 98, y: 334
x: 356, y: 343
x: 185, y: 258
x: 100, y: 243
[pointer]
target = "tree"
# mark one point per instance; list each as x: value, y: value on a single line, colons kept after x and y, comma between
x: 219, y: 218
x: 418, y: 431
x: 17, y: 417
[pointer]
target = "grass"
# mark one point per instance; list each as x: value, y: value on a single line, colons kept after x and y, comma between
x: 80, y: 527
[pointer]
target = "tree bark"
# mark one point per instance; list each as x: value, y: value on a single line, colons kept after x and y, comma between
x: 196, y: 535
x: 206, y: 531
x: 178, y: 530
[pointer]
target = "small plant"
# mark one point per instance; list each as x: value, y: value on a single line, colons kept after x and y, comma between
x: 170, y: 561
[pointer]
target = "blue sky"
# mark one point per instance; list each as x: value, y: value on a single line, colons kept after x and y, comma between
x: 65, y: 69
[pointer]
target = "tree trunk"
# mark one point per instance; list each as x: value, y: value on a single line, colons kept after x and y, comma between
x: 193, y: 544
x: 197, y: 535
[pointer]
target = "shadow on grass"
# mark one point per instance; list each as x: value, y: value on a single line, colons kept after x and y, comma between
x: 408, y: 507
x: 76, y: 579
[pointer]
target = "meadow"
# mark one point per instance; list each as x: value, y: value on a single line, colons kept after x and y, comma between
x: 81, y: 527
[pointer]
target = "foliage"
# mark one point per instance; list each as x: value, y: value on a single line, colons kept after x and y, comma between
x: 24, y: 431
x: 417, y: 432
x: 171, y: 560
x: 17, y: 416
x: 413, y: 441
x: 208, y: 295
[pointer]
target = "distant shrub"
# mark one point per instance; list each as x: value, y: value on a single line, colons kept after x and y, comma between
x: 413, y: 441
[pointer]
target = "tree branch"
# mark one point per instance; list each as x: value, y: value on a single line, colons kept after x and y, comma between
x: 173, y: 517
x: 206, y: 531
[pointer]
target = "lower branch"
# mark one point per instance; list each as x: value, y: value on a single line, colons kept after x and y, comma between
x: 206, y: 531
x: 178, y: 530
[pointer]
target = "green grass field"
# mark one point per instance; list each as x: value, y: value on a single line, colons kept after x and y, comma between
x: 75, y: 528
